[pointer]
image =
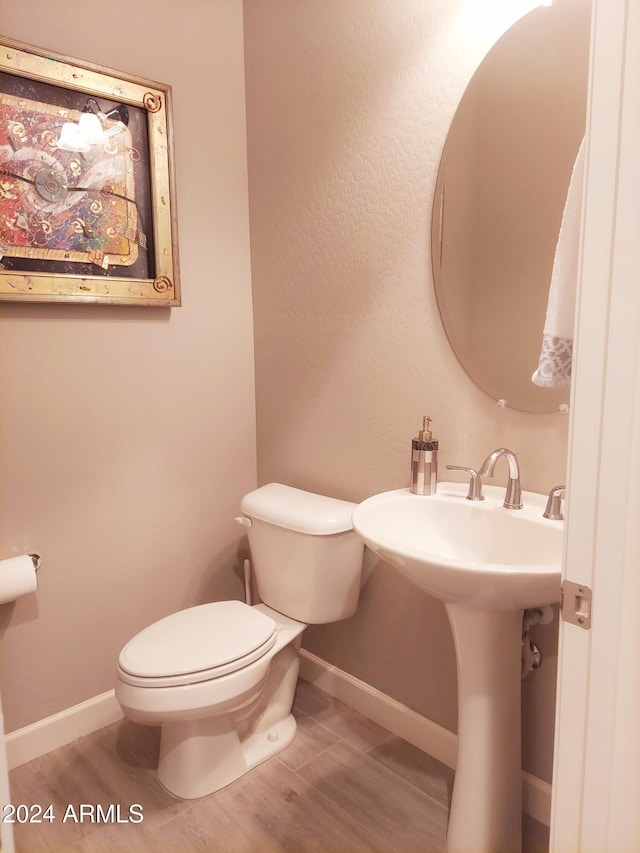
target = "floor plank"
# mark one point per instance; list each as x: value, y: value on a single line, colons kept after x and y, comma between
x: 423, y: 771
x: 343, y: 721
x: 311, y: 739
x: 402, y: 817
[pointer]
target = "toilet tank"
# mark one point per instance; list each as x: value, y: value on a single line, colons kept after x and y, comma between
x: 306, y: 557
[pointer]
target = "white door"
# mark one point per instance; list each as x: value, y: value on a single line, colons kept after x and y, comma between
x: 596, y: 785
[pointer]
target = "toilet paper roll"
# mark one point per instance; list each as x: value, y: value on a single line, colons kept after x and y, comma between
x: 17, y: 577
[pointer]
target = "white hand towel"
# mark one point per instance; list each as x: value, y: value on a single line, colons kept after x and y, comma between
x: 554, y: 366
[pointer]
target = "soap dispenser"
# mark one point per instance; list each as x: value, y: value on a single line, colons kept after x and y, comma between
x: 424, y: 461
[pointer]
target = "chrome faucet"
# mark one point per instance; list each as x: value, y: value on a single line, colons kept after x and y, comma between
x: 513, y: 497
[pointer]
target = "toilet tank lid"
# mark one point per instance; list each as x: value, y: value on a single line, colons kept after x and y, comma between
x: 295, y: 509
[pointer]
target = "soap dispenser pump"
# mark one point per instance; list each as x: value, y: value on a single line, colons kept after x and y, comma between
x: 424, y: 461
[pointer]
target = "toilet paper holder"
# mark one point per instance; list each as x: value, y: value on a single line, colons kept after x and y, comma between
x: 18, y: 576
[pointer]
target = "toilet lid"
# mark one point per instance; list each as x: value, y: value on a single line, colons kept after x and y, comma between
x: 197, y: 643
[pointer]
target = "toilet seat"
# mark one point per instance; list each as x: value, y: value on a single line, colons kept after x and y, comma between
x: 197, y: 644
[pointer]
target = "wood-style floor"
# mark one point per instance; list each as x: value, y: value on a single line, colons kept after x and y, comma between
x: 344, y: 785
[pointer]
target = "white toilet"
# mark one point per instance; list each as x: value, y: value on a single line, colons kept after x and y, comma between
x: 220, y: 678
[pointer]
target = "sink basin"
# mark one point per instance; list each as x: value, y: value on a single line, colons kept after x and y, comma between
x: 474, y: 553
x: 487, y: 564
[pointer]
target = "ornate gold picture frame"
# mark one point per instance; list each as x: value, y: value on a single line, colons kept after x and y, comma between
x: 87, y: 196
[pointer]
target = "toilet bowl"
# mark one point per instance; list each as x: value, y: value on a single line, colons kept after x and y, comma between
x: 220, y: 678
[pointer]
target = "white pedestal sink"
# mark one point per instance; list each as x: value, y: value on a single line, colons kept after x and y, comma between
x: 487, y: 564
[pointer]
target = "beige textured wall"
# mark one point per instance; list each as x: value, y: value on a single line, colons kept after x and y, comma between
x: 348, y: 106
x: 128, y: 434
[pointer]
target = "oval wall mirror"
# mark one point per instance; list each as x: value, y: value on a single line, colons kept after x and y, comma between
x: 500, y: 193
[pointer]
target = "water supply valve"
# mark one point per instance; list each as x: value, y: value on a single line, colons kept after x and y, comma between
x: 531, y: 657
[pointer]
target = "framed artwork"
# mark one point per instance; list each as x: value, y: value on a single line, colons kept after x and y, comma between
x: 87, y: 196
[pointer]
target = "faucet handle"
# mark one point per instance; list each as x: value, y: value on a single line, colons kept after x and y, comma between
x: 554, y: 504
x: 475, y: 482
x: 513, y: 496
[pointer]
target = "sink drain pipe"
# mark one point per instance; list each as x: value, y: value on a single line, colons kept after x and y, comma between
x: 531, y: 656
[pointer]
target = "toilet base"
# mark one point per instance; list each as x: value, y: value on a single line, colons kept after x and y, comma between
x: 199, y: 757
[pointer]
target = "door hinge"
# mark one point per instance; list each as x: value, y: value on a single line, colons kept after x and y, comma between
x: 576, y: 604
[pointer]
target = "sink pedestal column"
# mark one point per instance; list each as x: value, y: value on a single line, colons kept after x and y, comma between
x: 486, y: 806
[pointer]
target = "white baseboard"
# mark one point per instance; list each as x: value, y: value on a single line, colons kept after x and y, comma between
x: 413, y: 727
x: 62, y: 728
